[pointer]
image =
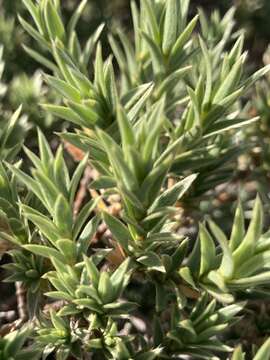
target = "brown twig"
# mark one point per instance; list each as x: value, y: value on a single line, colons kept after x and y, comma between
x: 21, y: 302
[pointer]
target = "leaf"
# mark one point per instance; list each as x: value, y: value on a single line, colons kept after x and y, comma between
x: 253, y: 265
x: 157, y: 58
x: 64, y: 113
x: 40, y: 58
x: 179, y: 255
x: 208, y: 70
x: 27, y: 180
x: 48, y: 189
x: 105, y: 288
x: 238, y: 354
x: 15, y: 341
x: 103, y: 182
x: 230, y: 81
x: 170, y: 196
x: 59, y: 295
x: 87, y: 234
x: 170, y: 26
x: 63, y: 88
x: 208, y: 251
x: 133, y: 96
x: 45, y: 152
x: 126, y: 130
x: 76, y: 16
x: 82, y: 217
x: 33, y: 10
x: 53, y: 21
x: 61, y: 172
x: 92, y: 271
x: 45, y: 251
x: 264, y: 351
x: 10, y: 127
x: 45, y: 226
x: 119, y: 231
x: 238, y: 230
x: 154, y: 127
x: 183, y: 37
x: 68, y: 248
x: 171, y: 81
x: 139, y: 104
x: 227, y: 264
x: 152, y: 262
x: 119, y: 277
x: 247, y: 246
x: 151, y: 18
x: 76, y: 178
x: 86, y: 114
x: 32, y: 32
x: 255, y: 280
x: 120, y: 167
x: 63, y: 216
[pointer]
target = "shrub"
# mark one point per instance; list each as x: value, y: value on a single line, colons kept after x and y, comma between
x: 115, y: 277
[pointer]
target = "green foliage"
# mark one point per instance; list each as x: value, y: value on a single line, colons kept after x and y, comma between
x: 160, y: 130
x: 11, y: 346
x: 240, y: 264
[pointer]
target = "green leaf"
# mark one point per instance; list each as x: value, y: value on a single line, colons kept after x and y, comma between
x: 230, y: 81
x: 45, y: 251
x: 247, y: 246
x: 87, y: 115
x: 76, y: 16
x: 183, y: 38
x: 208, y: 251
x: 152, y: 261
x: 253, y: 265
x: 105, y: 288
x: 103, y: 182
x: 157, y: 58
x: 32, y: 32
x: 119, y: 231
x: 170, y: 196
x: 68, y: 249
x: 59, y: 295
x: 92, y: 271
x: 45, y: 226
x: 63, y: 88
x: 53, y: 21
x: 82, y: 217
x: 208, y: 70
x: 170, y: 26
x: 264, y: 351
x: 75, y: 180
x: 15, y: 341
x: 256, y: 280
x: 40, y: 58
x: 45, y: 152
x: 155, y: 123
x: 126, y: 130
x: 238, y: 354
x: 139, y: 104
x: 151, y: 18
x: 227, y: 264
x: 64, y: 113
x: 33, y: 10
x: 63, y: 216
x: 238, y: 230
x: 87, y: 234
